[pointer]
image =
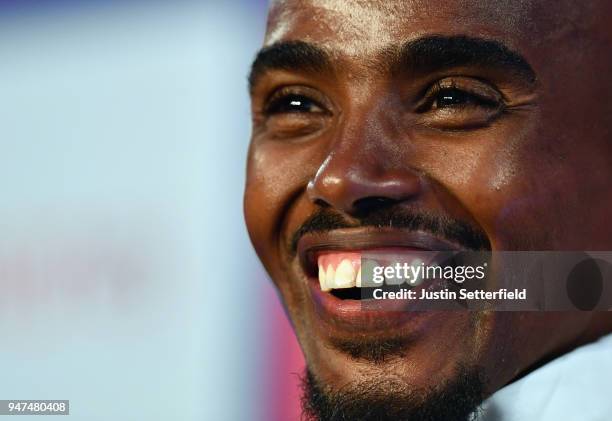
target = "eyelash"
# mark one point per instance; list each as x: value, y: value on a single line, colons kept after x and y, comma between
x: 281, y: 101
x: 289, y: 97
x: 470, y: 98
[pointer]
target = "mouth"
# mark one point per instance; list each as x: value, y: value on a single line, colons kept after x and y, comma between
x: 339, y: 280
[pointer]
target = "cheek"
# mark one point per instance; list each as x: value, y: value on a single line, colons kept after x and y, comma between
x: 276, y: 175
x: 492, y: 175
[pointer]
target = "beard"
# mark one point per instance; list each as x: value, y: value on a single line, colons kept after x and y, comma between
x: 389, y: 398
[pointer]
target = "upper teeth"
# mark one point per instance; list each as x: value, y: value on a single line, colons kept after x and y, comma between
x: 344, y: 276
x: 347, y: 273
x: 419, y: 280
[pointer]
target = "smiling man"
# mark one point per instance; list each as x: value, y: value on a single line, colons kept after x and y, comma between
x: 409, y: 125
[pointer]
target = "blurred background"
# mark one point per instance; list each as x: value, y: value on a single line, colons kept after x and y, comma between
x: 128, y: 281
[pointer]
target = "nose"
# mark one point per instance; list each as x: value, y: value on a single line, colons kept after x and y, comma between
x: 360, y: 175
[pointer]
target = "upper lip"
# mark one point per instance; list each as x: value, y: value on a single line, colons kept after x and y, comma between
x: 348, y: 239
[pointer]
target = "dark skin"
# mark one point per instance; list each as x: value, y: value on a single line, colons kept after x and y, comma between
x: 519, y: 146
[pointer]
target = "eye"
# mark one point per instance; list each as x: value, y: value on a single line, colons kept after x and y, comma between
x: 460, y: 103
x: 294, y: 112
x: 453, y: 97
x: 293, y: 103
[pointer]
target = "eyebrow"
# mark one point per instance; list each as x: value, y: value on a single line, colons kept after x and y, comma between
x: 433, y: 53
x: 297, y: 56
x: 422, y: 55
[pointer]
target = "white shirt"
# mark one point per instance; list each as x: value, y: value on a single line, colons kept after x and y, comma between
x: 574, y: 387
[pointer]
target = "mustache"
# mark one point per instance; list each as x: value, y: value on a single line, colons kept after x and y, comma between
x: 466, y: 235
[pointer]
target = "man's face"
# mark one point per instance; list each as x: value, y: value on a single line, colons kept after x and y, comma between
x: 488, y: 122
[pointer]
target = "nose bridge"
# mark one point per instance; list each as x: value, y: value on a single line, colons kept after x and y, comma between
x: 362, y: 163
x: 365, y: 135
x: 359, y: 145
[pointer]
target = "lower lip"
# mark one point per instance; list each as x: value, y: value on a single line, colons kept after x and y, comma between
x: 357, y: 316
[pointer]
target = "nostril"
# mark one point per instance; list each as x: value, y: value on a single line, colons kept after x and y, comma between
x: 366, y: 205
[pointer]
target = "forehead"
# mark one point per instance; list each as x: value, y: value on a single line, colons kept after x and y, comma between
x: 540, y: 30
x: 356, y: 27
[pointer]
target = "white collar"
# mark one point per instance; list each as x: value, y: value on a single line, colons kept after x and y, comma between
x: 575, y: 386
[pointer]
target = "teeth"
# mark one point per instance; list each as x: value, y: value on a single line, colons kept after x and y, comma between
x: 394, y: 280
x: 419, y: 279
x: 330, y: 277
x: 368, y: 266
x: 345, y: 275
x: 350, y: 270
x: 323, y: 279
